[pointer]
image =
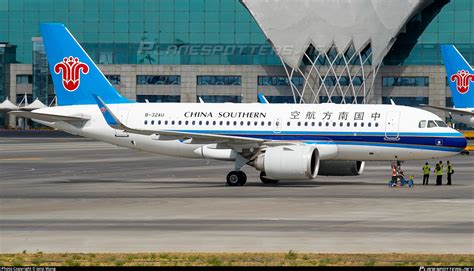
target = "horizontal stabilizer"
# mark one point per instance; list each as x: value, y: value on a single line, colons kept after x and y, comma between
x: 47, y: 117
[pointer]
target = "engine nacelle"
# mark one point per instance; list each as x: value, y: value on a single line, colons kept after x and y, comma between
x: 294, y: 162
x: 341, y: 168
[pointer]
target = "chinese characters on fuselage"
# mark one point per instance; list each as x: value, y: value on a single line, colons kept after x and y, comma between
x: 328, y: 115
x: 294, y: 115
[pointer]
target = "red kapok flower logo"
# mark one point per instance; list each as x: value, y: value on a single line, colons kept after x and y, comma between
x: 462, y: 79
x: 71, y: 69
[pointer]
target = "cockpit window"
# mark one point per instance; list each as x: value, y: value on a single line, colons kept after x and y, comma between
x: 441, y: 123
x: 431, y: 124
x: 422, y: 124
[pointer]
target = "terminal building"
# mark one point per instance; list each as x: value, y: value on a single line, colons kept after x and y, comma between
x: 216, y: 50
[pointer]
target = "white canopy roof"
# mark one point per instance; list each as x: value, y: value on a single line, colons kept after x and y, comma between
x: 7, y: 105
x: 37, y: 104
x: 324, y: 23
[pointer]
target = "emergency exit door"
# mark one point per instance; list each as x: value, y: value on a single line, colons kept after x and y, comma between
x: 392, y: 124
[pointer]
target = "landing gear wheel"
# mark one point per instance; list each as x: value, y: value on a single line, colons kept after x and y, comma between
x: 236, y: 178
x: 265, y: 180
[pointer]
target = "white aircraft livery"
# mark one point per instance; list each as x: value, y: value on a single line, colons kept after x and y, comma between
x: 282, y: 141
x: 460, y: 78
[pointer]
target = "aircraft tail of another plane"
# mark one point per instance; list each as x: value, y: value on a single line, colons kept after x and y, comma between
x: 76, y: 77
x: 460, y: 77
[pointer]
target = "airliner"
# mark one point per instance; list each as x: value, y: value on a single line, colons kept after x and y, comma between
x: 281, y: 141
x: 460, y: 78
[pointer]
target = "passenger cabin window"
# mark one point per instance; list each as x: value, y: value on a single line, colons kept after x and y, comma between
x: 431, y: 124
x: 422, y: 124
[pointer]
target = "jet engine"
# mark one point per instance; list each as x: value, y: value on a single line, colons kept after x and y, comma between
x: 341, y: 168
x: 293, y: 162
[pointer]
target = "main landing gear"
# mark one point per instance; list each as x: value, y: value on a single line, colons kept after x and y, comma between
x: 236, y: 178
x: 239, y: 178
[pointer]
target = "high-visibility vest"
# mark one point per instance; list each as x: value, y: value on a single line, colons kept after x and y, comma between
x: 394, y: 171
x: 440, y: 171
x: 426, y: 169
x: 449, y: 169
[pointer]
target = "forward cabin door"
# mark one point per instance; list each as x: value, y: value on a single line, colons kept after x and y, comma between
x: 392, y: 125
x: 122, y: 115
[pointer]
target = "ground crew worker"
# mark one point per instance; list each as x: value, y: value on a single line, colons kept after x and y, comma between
x: 439, y: 173
x: 426, y: 173
x: 449, y: 171
x: 394, y: 174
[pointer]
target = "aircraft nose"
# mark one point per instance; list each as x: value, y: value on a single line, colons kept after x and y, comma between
x: 458, y: 142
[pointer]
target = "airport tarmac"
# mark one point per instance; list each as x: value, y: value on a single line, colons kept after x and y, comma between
x: 78, y: 195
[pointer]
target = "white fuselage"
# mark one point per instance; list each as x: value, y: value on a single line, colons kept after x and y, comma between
x: 341, y: 132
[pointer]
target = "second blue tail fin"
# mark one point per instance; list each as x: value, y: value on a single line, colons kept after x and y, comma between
x: 460, y: 76
x: 75, y: 76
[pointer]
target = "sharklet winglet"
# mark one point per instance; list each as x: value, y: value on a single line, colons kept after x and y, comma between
x: 109, y: 117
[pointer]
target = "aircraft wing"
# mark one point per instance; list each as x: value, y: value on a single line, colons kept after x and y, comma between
x: 115, y: 123
x: 452, y: 110
x: 47, y: 117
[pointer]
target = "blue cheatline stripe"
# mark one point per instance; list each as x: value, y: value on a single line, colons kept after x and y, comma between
x: 451, y: 142
x: 393, y: 145
x: 318, y: 133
